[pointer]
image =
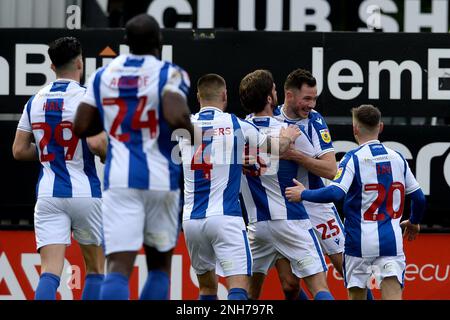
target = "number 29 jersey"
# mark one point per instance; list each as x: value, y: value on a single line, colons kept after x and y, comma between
x: 128, y: 94
x: 67, y: 165
x: 375, y: 180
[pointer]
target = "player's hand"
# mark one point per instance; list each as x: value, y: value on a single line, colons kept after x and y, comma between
x: 291, y: 132
x: 410, y: 230
x: 294, y: 194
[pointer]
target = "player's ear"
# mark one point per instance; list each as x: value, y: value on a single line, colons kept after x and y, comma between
x: 198, y: 97
x: 224, y: 95
x: 52, y: 66
x: 381, y: 127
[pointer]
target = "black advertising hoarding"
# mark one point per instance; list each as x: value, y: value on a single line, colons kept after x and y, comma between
x: 403, y: 74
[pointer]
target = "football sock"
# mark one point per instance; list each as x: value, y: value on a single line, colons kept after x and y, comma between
x: 370, y: 295
x: 302, y: 295
x: 237, y: 294
x: 115, y: 287
x: 92, y: 285
x: 323, y: 295
x: 47, y: 286
x: 156, y: 287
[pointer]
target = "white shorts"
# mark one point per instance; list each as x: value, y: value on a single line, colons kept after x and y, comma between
x: 292, y: 239
x: 328, y: 226
x: 218, y: 240
x: 55, y: 218
x: 132, y: 217
x: 358, y: 271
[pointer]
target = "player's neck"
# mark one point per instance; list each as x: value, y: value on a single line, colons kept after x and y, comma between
x: 365, y: 139
x: 267, y: 112
x: 75, y: 76
x: 289, y: 113
x: 215, y: 104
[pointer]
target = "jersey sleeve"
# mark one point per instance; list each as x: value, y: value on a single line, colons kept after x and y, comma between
x: 89, y: 97
x: 177, y: 81
x: 320, y: 134
x: 345, y: 173
x: 411, y: 184
x: 25, y: 121
x: 251, y: 133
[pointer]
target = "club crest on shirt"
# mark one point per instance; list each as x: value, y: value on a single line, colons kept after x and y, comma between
x: 325, y: 134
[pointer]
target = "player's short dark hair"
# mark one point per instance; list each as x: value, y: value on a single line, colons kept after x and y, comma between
x: 142, y: 34
x: 297, y: 78
x: 63, y: 50
x: 367, y: 115
x: 254, y: 89
x: 210, y: 85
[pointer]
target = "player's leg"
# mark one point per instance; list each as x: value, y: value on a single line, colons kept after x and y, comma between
x: 356, y: 293
x: 52, y: 231
x: 123, y: 222
x: 391, y: 289
x: 94, y: 260
x: 263, y: 253
x: 208, y: 285
x: 389, y: 273
x: 86, y: 217
x: 203, y: 258
x: 232, y: 249
x: 160, y: 238
x: 289, y: 282
x: 255, y: 286
x: 337, y: 261
x: 239, y: 286
x: 52, y: 263
x: 297, y: 241
x: 157, y: 285
x: 357, y: 272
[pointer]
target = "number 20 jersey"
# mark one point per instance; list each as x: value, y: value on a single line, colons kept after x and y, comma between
x: 128, y: 94
x: 375, y: 180
x: 67, y: 165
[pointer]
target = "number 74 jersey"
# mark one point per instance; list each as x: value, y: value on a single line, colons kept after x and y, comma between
x: 375, y: 180
x: 128, y: 94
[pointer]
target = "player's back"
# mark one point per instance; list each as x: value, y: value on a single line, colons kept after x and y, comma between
x: 128, y: 93
x: 68, y: 168
x: 264, y: 184
x: 212, y: 170
x: 374, y: 202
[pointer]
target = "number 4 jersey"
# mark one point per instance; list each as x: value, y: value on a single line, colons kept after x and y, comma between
x: 128, y: 94
x: 67, y: 165
x: 375, y: 179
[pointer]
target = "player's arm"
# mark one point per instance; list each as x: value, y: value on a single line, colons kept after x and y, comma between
x: 282, y: 143
x: 23, y: 147
x: 176, y: 112
x: 418, y: 205
x: 98, y: 145
x: 321, y: 195
x: 335, y: 192
x: 323, y: 166
x: 87, y: 121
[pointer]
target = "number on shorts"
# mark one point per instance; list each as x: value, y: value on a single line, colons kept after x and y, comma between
x: 329, y: 226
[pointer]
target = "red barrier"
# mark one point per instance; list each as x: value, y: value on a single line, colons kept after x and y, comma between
x: 427, y: 274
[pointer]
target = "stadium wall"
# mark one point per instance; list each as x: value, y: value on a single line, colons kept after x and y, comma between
x: 427, y: 273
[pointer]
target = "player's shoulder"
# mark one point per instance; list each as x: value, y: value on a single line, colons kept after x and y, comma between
x: 316, y: 119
